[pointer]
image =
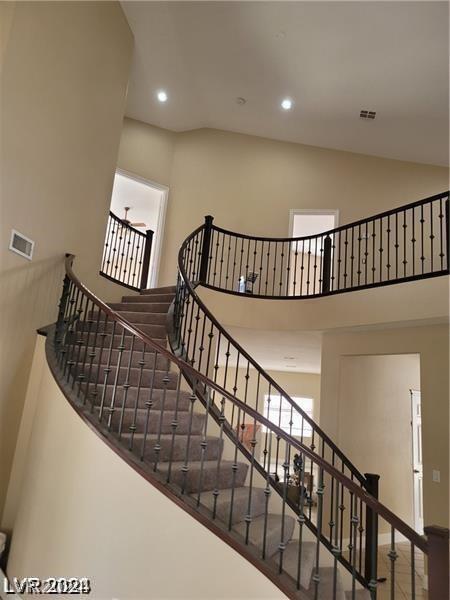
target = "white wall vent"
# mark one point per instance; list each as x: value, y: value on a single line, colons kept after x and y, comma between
x: 22, y: 245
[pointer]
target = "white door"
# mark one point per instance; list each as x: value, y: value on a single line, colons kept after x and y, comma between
x: 416, y: 424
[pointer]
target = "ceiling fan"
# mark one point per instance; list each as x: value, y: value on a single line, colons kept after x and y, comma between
x: 128, y: 222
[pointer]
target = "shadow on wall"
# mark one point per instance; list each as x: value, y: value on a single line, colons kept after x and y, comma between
x: 28, y: 300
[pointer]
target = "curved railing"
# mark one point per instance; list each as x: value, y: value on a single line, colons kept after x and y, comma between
x: 126, y: 254
x: 122, y: 382
x: 403, y: 244
x: 199, y: 338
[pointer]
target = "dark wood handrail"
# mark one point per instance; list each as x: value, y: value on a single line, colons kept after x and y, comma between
x: 125, y: 224
x: 381, y: 510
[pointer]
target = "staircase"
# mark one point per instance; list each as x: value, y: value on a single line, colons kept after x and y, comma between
x: 161, y: 379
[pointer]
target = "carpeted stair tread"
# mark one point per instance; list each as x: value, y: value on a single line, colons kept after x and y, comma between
x: 273, y: 532
x: 132, y: 316
x: 138, y: 345
x: 209, y: 479
x: 148, y: 307
x: 150, y: 420
x: 164, y: 298
x: 153, y: 331
x: 211, y: 452
x: 240, y: 503
x: 168, y: 289
x: 170, y: 399
x: 132, y: 376
x: 148, y: 358
x: 308, y: 557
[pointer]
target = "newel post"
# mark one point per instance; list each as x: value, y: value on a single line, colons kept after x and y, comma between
x: 326, y: 268
x: 146, y: 259
x: 203, y: 272
x: 438, y: 562
x: 371, y: 554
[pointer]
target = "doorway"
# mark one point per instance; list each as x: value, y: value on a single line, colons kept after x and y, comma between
x: 305, y: 226
x: 143, y: 203
x: 417, y: 464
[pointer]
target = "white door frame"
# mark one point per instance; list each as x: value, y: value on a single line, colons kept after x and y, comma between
x: 159, y: 234
x: 417, y: 477
x: 312, y: 211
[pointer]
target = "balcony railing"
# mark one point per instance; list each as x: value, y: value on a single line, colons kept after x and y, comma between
x: 126, y: 254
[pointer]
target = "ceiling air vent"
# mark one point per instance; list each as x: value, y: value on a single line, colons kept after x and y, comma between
x: 22, y: 245
x: 367, y: 114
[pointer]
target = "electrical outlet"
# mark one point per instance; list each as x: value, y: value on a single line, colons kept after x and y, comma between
x: 436, y: 476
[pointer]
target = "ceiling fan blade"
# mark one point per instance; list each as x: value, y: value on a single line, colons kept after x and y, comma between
x: 138, y: 224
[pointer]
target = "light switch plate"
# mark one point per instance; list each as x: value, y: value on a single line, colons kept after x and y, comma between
x: 436, y: 476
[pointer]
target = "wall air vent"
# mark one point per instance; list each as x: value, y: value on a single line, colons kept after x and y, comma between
x: 22, y: 245
x: 367, y: 114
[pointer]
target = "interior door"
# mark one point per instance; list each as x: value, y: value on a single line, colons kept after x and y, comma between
x: 416, y: 424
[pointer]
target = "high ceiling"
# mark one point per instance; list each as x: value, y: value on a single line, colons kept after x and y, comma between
x: 332, y: 58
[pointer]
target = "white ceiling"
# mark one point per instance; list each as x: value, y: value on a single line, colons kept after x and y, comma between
x: 293, y: 351
x: 332, y: 58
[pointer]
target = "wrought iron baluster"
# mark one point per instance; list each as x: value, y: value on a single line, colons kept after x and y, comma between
x: 388, y: 264
x: 302, y: 268
x: 352, y: 257
x: 345, y: 259
x: 295, y: 268
x: 413, y: 242
x: 392, y: 557
x: 336, y: 548
x: 174, y: 426
x: 227, y: 274
x: 274, y: 268
x: 126, y: 386
x: 431, y: 239
x: 112, y: 405
x: 413, y: 571
x: 89, y: 309
x: 216, y: 490
x: 280, y: 285
x: 148, y: 405
x: 380, y: 250
x: 308, y: 277
x: 319, y: 492
x: 185, y: 467
x: 301, y: 520
x: 422, y: 250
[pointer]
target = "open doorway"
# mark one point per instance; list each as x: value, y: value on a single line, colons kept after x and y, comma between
x: 142, y: 203
x: 375, y: 425
x: 305, y: 226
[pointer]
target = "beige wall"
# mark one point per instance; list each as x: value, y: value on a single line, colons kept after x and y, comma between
x: 64, y: 74
x: 336, y: 410
x: 375, y: 421
x: 75, y: 488
x: 249, y: 183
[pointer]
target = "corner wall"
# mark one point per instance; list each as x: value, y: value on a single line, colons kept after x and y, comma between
x: 64, y: 74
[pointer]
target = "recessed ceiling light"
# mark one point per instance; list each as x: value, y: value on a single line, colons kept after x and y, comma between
x: 286, y: 104
x: 162, y: 96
